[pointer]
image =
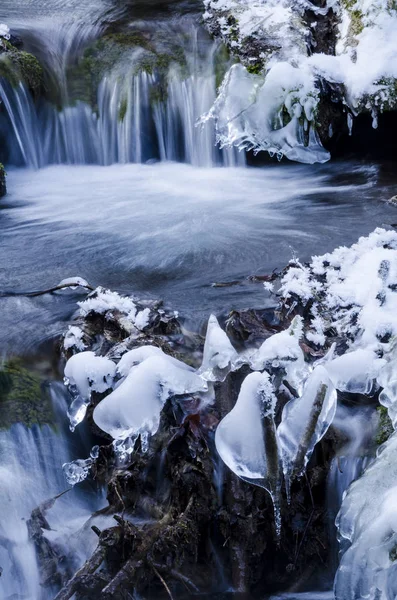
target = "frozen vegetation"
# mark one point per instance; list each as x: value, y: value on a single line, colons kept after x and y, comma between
x: 348, y: 294
x: 293, y: 57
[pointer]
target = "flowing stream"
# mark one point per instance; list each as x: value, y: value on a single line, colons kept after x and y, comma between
x: 144, y: 204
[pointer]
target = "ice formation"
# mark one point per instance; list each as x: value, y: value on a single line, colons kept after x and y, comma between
x: 387, y: 379
x: 271, y: 101
x: 134, y: 407
x: 78, y: 470
x: 351, y: 290
x: 85, y: 372
x: 4, y: 31
x: 246, y: 437
x: 74, y: 339
x: 106, y: 302
x: 283, y: 351
x: 367, y: 525
x: 355, y: 372
x: 259, y: 114
x: 305, y: 420
x: 219, y: 355
x: 74, y: 282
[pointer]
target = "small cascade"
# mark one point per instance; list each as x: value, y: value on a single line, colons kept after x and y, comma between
x: 357, y: 426
x: 30, y: 473
x: 138, y: 116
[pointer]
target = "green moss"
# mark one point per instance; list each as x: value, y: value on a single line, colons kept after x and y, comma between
x: 17, y: 65
x: 385, y: 427
x: 255, y: 68
x: 356, y: 22
x: 123, y: 53
x: 22, y: 399
x: 123, y: 109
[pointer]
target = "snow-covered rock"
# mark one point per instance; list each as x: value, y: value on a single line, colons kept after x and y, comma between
x: 271, y: 101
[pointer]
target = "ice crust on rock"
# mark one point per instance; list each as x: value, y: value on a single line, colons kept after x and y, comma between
x: 274, y: 107
x: 85, y: 372
x: 74, y: 282
x: 5, y: 31
x: 219, y: 356
x: 246, y: 437
x: 282, y: 351
x: 367, y: 524
x: 134, y: 407
x: 387, y: 379
x: 137, y: 355
x: 305, y: 420
x: 352, y: 290
x: 249, y: 113
x: 355, y: 372
x: 106, y: 302
x: 74, y: 339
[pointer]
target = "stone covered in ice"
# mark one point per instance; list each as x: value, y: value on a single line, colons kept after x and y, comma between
x: 387, y: 379
x: 283, y: 350
x: 103, y: 301
x: 134, y: 407
x: 74, y: 282
x: 367, y: 524
x: 74, y: 339
x: 274, y: 38
x: 5, y: 31
x: 87, y: 372
x: 305, y: 420
x: 246, y: 438
x: 355, y: 372
x: 219, y: 354
x: 137, y: 355
x: 351, y: 290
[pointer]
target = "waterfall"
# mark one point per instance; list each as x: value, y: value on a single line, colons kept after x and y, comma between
x: 30, y: 473
x: 357, y: 426
x: 138, y: 117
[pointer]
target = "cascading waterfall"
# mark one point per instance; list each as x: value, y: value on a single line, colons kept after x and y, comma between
x: 30, y: 473
x: 357, y: 426
x: 133, y: 121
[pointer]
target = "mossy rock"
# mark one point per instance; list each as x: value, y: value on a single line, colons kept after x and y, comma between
x: 19, y: 66
x: 123, y: 53
x: 385, y: 426
x: 23, y: 398
x: 3, y: 187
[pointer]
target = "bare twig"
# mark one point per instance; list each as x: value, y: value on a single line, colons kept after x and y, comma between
x: 163, y: 582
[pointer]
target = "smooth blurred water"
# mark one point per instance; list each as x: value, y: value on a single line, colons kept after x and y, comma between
x: 170, y: 230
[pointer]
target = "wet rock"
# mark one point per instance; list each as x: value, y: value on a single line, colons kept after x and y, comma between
x: 3, y: 186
